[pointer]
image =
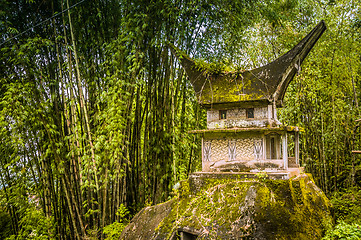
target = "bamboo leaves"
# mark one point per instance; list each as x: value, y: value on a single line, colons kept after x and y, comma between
x: 95, y: 111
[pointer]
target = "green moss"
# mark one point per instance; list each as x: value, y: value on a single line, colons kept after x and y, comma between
x: 219, y: 83
x: 184, y: 190
x: 238, y: 132
x: 207, y: 207
x: 212, y: 68
x: 222, y: 87
x: 296, y: 192
x: 217, y: 206
x: 293, y: 210
x: 273, y: 213
x: 218, y: 134
x: 226, y: 208
x: 211, y: 182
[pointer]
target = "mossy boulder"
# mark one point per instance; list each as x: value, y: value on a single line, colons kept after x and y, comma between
x: 237, y: 208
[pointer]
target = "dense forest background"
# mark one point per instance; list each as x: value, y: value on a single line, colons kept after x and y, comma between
x: 95, y: 110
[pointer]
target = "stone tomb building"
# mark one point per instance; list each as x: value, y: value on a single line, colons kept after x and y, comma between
x: 243, y: 133
x: 242, y: 139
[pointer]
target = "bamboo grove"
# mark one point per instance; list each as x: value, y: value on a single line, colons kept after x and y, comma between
x: 95, y: 111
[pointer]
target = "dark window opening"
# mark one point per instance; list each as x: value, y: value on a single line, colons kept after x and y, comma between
x: 250, y: 112
x: 187, y: 236
x: 222, y: 114
x: 184, y: 234
x: 273, y: 148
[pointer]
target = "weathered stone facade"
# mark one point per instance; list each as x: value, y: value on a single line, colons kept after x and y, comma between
x: 238, y: 118
x: 246, y: 138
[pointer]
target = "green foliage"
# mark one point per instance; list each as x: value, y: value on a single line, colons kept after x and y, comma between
x: 262, y: 176
x: 114, y: 230
x: 323, y: 98
x: 346, y: 205
x: 34, y: 225
x: 344, y: 231
x: 126, y: 142
x: 5, y: 225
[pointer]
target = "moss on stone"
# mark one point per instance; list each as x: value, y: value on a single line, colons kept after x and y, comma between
x: 238, y: 208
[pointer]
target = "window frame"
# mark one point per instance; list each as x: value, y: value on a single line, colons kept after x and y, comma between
x: 222, y: 113
x: 248, y: 111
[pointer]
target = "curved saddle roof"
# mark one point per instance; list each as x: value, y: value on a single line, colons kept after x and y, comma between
x: 266, y: 84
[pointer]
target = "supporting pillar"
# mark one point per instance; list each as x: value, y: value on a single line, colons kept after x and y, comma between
x: 274, y: 110
x: 264, y: 148
x: 270, y: 112
x: 297, y: 147
x: 284, y: 148
x: 204, y: 167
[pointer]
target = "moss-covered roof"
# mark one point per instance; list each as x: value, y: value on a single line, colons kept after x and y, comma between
x: 253, y: 129
x: 268, y: 82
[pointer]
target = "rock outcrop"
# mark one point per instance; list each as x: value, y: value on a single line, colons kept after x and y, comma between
x: 230, y: 206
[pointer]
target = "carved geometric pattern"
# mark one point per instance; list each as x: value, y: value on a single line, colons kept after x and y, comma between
x: 258, y: 149
x: 207, y: 150
x: 232, y: 150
